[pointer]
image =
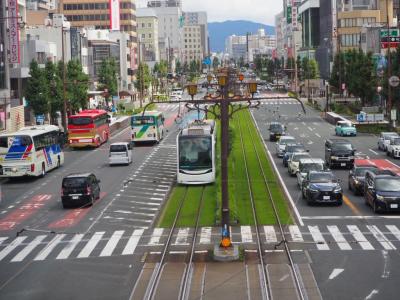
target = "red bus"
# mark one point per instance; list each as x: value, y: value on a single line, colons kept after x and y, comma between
x: 88, y: 128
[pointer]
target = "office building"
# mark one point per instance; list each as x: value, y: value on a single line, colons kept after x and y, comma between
x: 147, y: 30
x: 192, y: 46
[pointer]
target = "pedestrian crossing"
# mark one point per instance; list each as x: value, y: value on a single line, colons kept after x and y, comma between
x: 286, y: 102
x: 103, y: 244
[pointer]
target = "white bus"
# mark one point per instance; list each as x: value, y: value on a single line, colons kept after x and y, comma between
x: 31, y: 151
x: 148, y: 127
x: 196, y: 153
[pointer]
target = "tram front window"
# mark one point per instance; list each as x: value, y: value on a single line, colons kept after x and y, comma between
x: 195, y: 153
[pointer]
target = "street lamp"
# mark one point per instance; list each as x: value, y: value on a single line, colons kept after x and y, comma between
x: 222, y: 79
x: 209, y: 78
x: 252, y: 87
x: 192, y: 89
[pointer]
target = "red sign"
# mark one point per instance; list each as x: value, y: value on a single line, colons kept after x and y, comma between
x: 385, y: 45
x: 114, y: 14
x: 13, y: 31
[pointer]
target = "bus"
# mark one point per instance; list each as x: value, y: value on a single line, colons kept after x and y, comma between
x: 89, y: 128
x: 148, y: 127
x: 31, y: 151
x: 196, y: 153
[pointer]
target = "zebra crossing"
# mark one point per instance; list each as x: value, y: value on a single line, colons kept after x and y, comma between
x: 168, y: 107
x: 286, y: 102
x: 104, y: 244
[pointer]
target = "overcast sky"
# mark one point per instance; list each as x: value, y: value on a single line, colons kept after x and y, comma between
x: 262, y: 11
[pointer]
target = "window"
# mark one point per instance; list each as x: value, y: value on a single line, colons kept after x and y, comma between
x: 149, y: 25
x: 150, y: 35
x: 143, y: 35
x: 45, y: 140
x: 142, y: 25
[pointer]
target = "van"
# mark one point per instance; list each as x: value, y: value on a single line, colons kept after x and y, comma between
x: 339, y: 152
x: 79, y: 190
x: 120, y: 153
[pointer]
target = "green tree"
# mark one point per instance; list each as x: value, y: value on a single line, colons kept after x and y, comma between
x: 143, y: 77
x: 178, y: 67
x: 185, y: 68
x: 338, y: 71
x: 215, y: 63
x: 108, y: 77
x: 314, y: 69
x: 77, y: 85
x: 37, y: 90
x: 55, y: 85
x: 193, y: 70
x: 241, y: 62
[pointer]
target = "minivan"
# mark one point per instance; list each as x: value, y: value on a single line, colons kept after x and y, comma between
x: 79, y: 190
x: 339, y: 152
x: 120, y: 153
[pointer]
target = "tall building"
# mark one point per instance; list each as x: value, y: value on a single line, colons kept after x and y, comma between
x: 41, y: 4
x: 200, y: 19
x: 147, y: 30
x: 192, y: 45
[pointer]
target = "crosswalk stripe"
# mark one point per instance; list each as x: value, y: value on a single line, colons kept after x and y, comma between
x: 112, y: 243
x: 205, y: 235
x: 360, y: 238
x: 14, y: 244
x: 295, y: 233
x: 66, y: 252
x: 2, y: 239
x: 29, y: 248
x: 394, y: 230
x: 270, y: 234
x: 339, y: 238
x: 182, y: 236
x: 133, y: 242
x: 156, y: 236
x: 91, y: 244
x: 246, y: 234
x: 380, y: 237
x: 49, y: 247
x: 318, y: 238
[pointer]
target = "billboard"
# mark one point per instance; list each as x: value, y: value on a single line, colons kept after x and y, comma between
x: 13, y: 31
x: 114, y: 14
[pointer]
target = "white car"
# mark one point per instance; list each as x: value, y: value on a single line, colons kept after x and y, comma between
x: 120, y: 153
x: 281, y: 144
x: 393, y: 148
x: 384, y: 140
x: 306, y: 165
x: 294, y: 160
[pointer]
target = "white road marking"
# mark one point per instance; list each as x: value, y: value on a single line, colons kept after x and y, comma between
x: 49, y: 247
x: 205, y: 235
x: 66, y: 252
x: 112, y: 243
x: 29, y: 248
x: 370, y: 295
x: 295, y: 233
x: 91, y: 244
x: 374, y: 152
x: 318, y: 238
x: 182, y: 236
x: 360, y: 238
x: 2, y: 239
x: 339, y: 238
x: 245, y: 232
x: 156, y: 236
x: 335, y: 273
x: 317, y: 135
x: 380, y: 237
x: 133, y: 242
x: 348, y: 217
x: 394, y: 230
x: 270, y: 234
x: 14, y: 244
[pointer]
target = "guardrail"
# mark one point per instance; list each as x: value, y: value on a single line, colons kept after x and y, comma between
x: 119, y: 124
x: 333, y: 118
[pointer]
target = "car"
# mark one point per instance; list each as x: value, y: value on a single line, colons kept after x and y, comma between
x: 382, y: 191
x: 339, y: 152
x: 281, y: 144
x: 289, y: 149
x: 345, y: 128
x: 120, y: 153
x: 306, y: 165
x: 293, y: 162
x: 321, y: 187
x: 393, y: 147
x: 357, y: 177
x: 79, y: 189
x: 276, y: 130
x: 384, y: 139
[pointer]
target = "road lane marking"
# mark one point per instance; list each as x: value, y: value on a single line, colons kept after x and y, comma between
x: 318, y: 238
x: 49, y: 247
x: 339, y: 238
x: 133, y: 242
x: 91, y: 244
x: 374, y: 152
x: 112, y: 243
x: 335, y: 273
x: 182, y: 236
x: 295, y: 233
x: 350, y: 204
x: 349, y: 217
x: 360, y: 238
x: 66, y: 252
x: 205, y: 235
x: 29, y: 248
x: 14, y: 244
x: 270, y: 234
x: 156, y: 236
x: 245, y: 232
x: 2, y: 239
x: 381, y: 238
x: 394, y: 230
x: 317, y: 135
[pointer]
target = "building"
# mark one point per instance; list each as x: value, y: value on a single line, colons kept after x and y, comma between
x: 279, y: 32
x: 192, y: 48
x: 200, y: 19
x: 309, y: 12
x: 41, y: 4
x: 147, y: 30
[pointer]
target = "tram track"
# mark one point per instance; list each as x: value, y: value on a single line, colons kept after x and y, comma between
x: 265, y: 280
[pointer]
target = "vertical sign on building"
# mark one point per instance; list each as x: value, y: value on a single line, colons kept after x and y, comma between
x: 13, y: 29
x: 114, y: 14
x: 294, y: 15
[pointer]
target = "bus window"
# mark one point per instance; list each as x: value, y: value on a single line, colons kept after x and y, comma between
x: 80, y: 121
x: 3, y: 142
x: 143, y: 120
x: 19, y: 140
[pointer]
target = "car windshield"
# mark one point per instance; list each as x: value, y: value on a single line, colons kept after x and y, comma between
x: 388, y: 184
x: 297, y: 157
x: 360, y: 172
x: 396, y: 141
x: 78, y: 121
x: 297, y: 148
x: 342, y: 146
x: 74, y: 182
x: 117, y: 148
x: 285, y: 141
x: 195, y: 152
x: 274, y: 127
x: 345, y: 125
x: 389, y: 136
x: 311, y: 167
x: 321, y: 177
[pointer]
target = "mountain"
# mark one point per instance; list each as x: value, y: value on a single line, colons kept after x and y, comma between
x: 219, y: 31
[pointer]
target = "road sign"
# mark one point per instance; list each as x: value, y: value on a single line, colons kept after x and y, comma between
x: 289, y: 15
x: 393, y: 114
x: 207, y: 61
x: 39, y: 119
x: 393, y: 32
x: 394, y: 81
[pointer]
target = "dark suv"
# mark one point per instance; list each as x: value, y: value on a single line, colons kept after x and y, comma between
x: 276, y: 130
x: 339, y: 152
x: 322, y: 187
x: 79, y: 190
x: 357, y: 178
x: 382, y: 191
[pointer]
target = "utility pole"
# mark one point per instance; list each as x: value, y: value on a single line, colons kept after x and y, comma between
x: 140, y: 74
x: 389, y: 102
x: 64, y: 112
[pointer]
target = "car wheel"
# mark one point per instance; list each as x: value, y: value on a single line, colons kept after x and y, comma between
x: 302, y: 194
x: 350, y: 188
x: 43, y: 172
x: 65, y: 205
x: 339, y: 202
x: 375, y: 207
x: 58, y: 162
x: 366, y: 201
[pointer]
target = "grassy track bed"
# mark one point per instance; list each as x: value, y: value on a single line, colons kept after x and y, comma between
x: 239, y: 199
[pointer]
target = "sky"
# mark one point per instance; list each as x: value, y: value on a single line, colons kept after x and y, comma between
x: 261, y: 11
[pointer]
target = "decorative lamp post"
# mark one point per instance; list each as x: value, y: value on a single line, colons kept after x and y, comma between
x: 252, y: 87
x: 222, y: 80
x: 192, y: 90
x: 241, y: 77
x: 209, y: 78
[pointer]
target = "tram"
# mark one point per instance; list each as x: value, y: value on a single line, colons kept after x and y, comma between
x: 196, y: 153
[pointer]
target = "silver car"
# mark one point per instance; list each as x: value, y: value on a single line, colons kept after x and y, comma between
x: 120, y: 153
x: 281, y: 144
x: 306, y: 165
x: 384, y: 140
x: 294, y: 160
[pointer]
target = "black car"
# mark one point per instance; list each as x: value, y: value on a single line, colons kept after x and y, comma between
x: 322, y: 187
x: 339, y: 152
x: 290, y: 149
x: 382, y: 191
x: 357, y: 178
x: 276, y: 130
x: 79, y: 190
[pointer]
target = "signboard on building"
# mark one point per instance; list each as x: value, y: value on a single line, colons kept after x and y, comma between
x: 13, y: 31
x: 114, y: 14
x: 393, y: 32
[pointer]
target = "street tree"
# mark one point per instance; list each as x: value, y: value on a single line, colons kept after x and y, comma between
x: 108, y: 77
x: 37, y: 90
x: 143, y: 78
x: 215, y: 63
x: 77, y: 86
x: 338, y: 71
x: 178, y: 67
x: 55, y: 85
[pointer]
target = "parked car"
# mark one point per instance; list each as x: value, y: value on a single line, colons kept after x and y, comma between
x: 322, y: 187
x: 306, y: 165
x: 384, y: 139
x: 293, y: 162
x: 79, y: 190
x: 339, y: 152
x: 382, y: 191
x: 276, y: 130
x: 345, y: 128
x: 281, y: 144
x: 357, y: 177
x: 393, y: 147
x: 289, y: 149
x: 120, y: 153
